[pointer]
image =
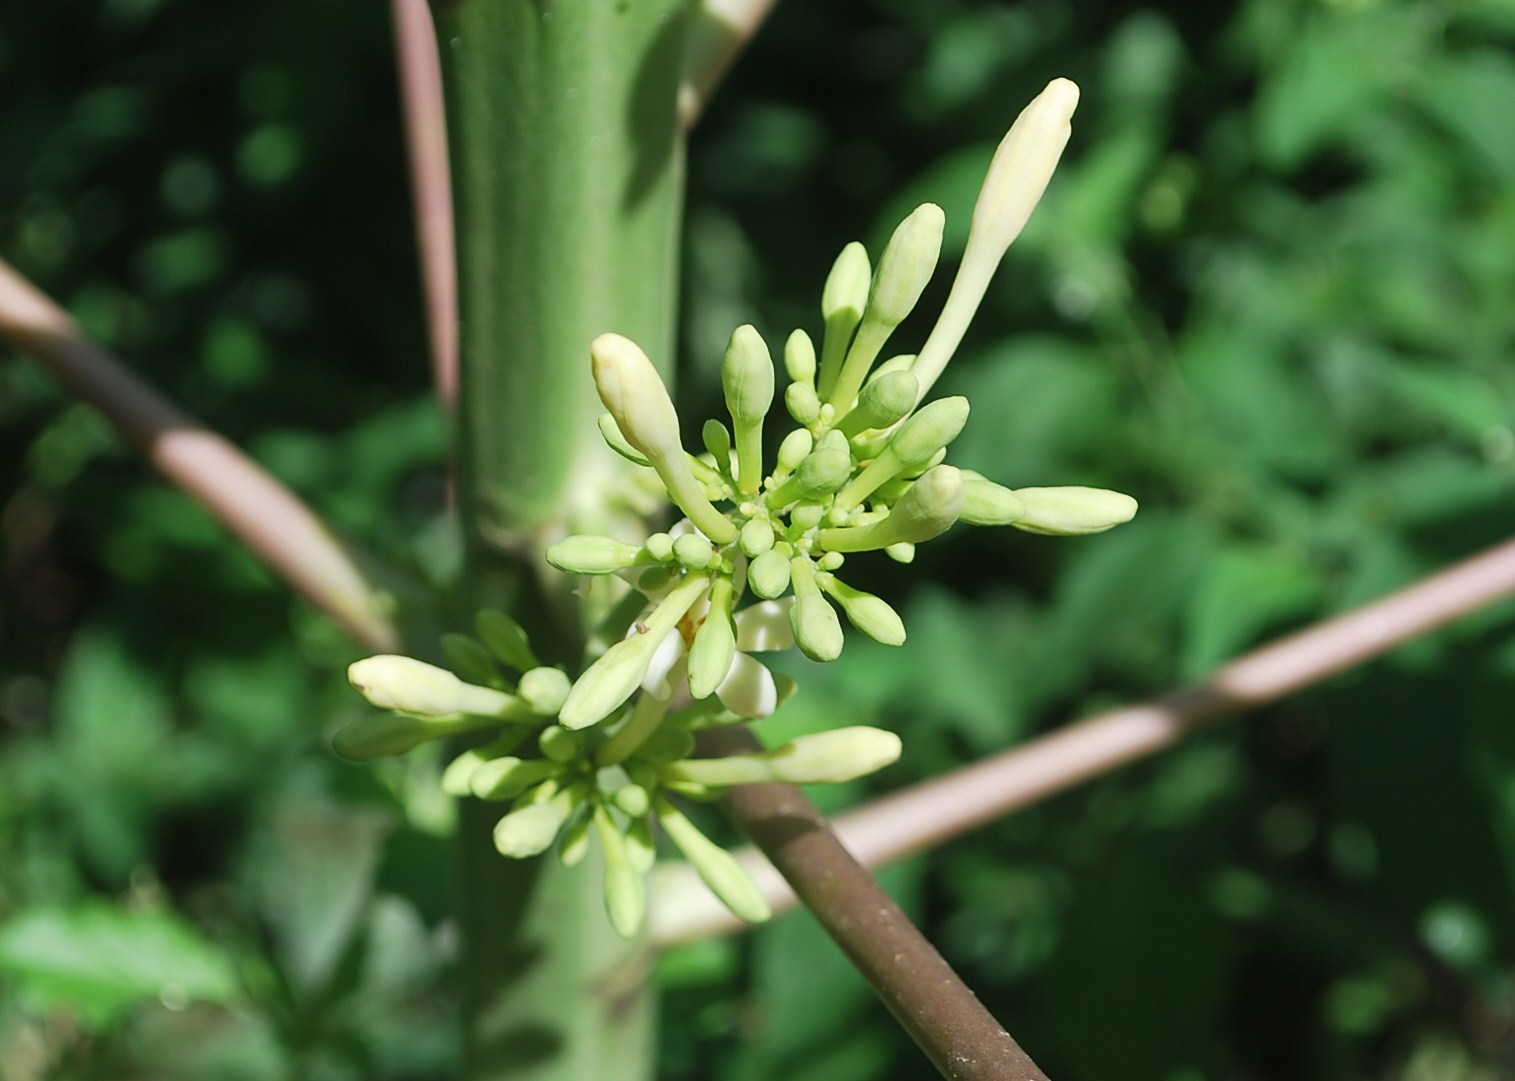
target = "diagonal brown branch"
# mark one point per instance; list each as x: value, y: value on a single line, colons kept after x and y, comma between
x: 928, y: 814
x: 930, y: 1001
x: 420, y: 72
x: 251, y: 504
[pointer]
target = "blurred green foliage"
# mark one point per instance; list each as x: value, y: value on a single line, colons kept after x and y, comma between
x: 1270, y: 292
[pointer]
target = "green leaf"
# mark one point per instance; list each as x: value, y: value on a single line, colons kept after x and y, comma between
x: 98, y: 961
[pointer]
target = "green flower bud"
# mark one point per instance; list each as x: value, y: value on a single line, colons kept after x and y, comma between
x: 1072, y: 511
x: 456, y: 776
x: 817, y: 630
x: 506, y: 639
x: 617, y: 442
x: 926, y: 510
x: 834, y: 757
x: 799, y: 357
x: 561, y: 744
x: 882, y: 403
x: 903, y: 271
x: 756, y: 537
x: 625, y: 889
x: 612, y: 679
x: 903, y: 552
x: 768, y: 574
x: 506, y: 778
x: 747, y: 379
x: 1018, y: 175
x: 693, y: 551
x: 660, y: 547
x: 388, y: 734
x: 843, y: 298
x: 634, y: 393
x: 632, y: 799
x: 987, y: 503
x: 717, y: 441
x: 824, y: 470
x: 913, y: 446
x: 714, y: 643
x: 544, y: 690
x: 802, y: 402
x: 717, y: 867
x: 867, y: 613
x: 411, y: 686
x: 585, y: 554
x: 792, y: 451
x: 528, y: 831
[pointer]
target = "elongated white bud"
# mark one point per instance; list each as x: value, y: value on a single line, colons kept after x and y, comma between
x: 834, y: 757
x: 1072, y: 511
x: 411, y: 686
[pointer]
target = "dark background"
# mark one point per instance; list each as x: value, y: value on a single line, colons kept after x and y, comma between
x: 1271, y: 293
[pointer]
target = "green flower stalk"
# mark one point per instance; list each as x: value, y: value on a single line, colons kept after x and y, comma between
x: 755, y: 565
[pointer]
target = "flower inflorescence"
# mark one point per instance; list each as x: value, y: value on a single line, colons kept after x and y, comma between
x: 754, y: 565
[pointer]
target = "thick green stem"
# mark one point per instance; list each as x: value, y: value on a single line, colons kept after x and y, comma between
x: 567, y: 176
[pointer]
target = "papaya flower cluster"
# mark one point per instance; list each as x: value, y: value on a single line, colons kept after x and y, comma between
x: 755, y: 564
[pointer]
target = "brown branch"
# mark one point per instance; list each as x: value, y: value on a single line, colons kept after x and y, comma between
x: 928, y: 814
x: 431, y: 185
x: 718, y: 31
x: 930, y: 1001
x: 251, y: 504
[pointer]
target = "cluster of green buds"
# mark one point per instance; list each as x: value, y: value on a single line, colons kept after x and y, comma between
x: 752, y: 566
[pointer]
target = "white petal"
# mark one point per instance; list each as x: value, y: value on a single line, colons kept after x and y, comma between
x: 660, y: 673
x: 765, y: 626
x: 748, y: 690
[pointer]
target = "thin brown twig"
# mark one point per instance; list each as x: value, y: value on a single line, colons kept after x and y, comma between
x: 930, y: 1001
x: 928, y: 814
x: 250, y: 503
x: 431, y: 185
x: 718, y: 31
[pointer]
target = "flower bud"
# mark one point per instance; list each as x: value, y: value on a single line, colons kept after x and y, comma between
x: 756, y: 537
x: 560, y: 744
x: 717, y: 867
x: 634, y: 393
x: 714, y: 643
x: 817, y: 630
x: 987, y: 503
x: 747, y: 376
x: 625, y: 889
x: 528, y: 831
x: 586, y: 554
x: 792, y: 451
x: 883, y: 402
x: 693, y: 551
x: 543, y: 690
x: 768, y: 574
x: 916, y: 442
x: 799, y: 357
x: 506, y: 778
x: 927, y: 509
x: 802, y: 402
x: 1072, y: 511
x: 411, y: 686
x: 834, y: 757
x: 846, y: 288
x: 867, y: 613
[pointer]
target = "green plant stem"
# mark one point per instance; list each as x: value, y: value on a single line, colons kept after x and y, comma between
x: 566, y: 170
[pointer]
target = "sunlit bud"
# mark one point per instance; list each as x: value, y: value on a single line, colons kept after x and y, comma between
x: 747, y: 379
x: 660, y: 546
x: 866, y: 612
x: 817, y: 630
x: 412, y: 686
x: 717, y: 440
x: 768, y: 574
x: 456, y: 776
x: 823, y: 471
x: 756, y: 537
x: 831, y: 561
x: 1072, y: 511
x: 915, y: 443
x: 843, y: 298
x: 506, y: 778
x: 633, y: 799
x: 883, y: 402
x: 560, y: 744
x: 714, y: 643
x: 396, y: 733
x: 625, y: 889
x: 987, y: 503
x: 612, y: 679
x: 715, y: 865
x: 617, y: 442
x: 693, y: 551
x: 903, y: 552
x: 927, y: 509
x: 634, y: 393
x: 585, y: 554
x: 544, y: 690
x: 505, y: 638
x: 792, y: 451
x: 834, y: 757
x: 803, y: 404
x: 799, y: 357
x: 1017, y: 177
x: 903, y: 271
x: 575, y: 843
x: 528, y: 831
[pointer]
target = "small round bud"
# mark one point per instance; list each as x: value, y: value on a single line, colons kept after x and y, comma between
x: 543, y: 690
x: 799, y: 357
x: 560, y: 744
x: 693, y: 551
x: 802, y: 402
x: 756, y: 537
x: 793, y: 449
x: 768, y: 574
